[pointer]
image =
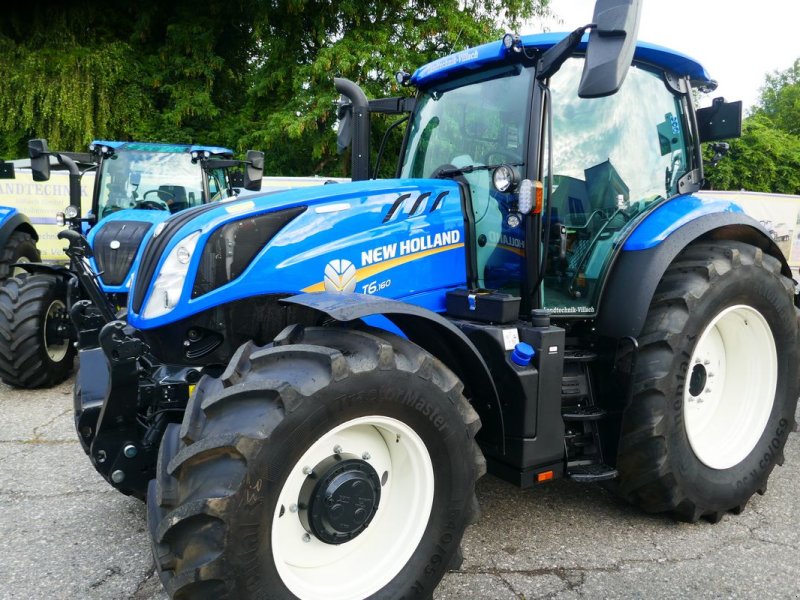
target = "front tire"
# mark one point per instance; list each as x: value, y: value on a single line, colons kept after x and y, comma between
x: 36, y: 347
x: 715, y: 385
x: 335, y: 463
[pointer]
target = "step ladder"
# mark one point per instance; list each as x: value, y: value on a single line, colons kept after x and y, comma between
x: 585, y: 463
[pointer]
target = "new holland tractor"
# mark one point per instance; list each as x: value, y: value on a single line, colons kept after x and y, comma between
x: 137, y: 186
x: 307, y: 385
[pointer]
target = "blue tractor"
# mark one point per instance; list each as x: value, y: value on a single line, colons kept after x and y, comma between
x: 18, y: 240
x: 307, y: 385
x: 137, y: 187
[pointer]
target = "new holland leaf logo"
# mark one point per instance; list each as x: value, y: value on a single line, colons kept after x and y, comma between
x: 340, y: 276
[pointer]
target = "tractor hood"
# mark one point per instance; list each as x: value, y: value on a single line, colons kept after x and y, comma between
x: 117, y: 243
x: 341, y: 237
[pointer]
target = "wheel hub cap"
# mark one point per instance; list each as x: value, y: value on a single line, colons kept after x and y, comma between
x: 339, y: 499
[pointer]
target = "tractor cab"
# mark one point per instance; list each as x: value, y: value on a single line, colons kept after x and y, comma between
x: 167, y: 177
x: 557, y: 175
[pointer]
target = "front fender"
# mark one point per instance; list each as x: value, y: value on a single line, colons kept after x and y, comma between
x: 433, y: 333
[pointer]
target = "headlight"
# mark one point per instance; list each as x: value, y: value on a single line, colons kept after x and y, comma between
x: 166, y: 290
x: 504, y: 178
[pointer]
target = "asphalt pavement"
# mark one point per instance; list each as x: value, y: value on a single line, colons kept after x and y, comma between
x: 64, y: 533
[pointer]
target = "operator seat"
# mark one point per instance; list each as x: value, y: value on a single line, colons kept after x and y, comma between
x: 174, y: 196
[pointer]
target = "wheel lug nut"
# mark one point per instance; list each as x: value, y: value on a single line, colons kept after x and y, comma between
x: 293, y: 508
x: 307, y: 471
x: 366, y: 456
x: 706, y: 362
x: 306, y: 538
x: 337, y: 449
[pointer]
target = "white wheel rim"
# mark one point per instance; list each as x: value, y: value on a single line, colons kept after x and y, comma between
x: 56, y: 352
x: 313, y: 569
x: 19, y: 270
x: 730, y: 387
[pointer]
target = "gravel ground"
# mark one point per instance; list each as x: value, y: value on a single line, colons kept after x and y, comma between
x: 64, y: 533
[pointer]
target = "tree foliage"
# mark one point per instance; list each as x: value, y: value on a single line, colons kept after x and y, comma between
x: 239, y: 73
x: 767, y: 156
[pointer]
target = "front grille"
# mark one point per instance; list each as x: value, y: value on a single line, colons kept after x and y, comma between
x: 115, y: 246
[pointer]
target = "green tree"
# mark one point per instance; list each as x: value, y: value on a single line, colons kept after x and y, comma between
x: 150, y: 70
x: 239, y: 73
x: 766, y: 158
x: 306, y: 43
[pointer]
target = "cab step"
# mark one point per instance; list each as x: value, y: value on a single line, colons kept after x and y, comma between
x: 591, y: 473
x: 583, y: 413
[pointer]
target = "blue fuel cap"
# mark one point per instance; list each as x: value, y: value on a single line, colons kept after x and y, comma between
x: 522, y: 354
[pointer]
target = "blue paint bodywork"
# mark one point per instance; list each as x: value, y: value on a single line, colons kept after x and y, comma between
x: 413, y: 257
x: 671, y: 215
x: 157, y: 147
x: 477, y: 58
x: 6, y: 214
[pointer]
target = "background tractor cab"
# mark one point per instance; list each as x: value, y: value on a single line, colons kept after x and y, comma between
x: 137, y: 187
x: 162, y: 179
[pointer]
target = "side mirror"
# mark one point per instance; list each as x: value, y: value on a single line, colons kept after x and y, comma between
x: 720, y: 121
x: 40, y: 159
x: 611, y: 46
x: 254, y: 170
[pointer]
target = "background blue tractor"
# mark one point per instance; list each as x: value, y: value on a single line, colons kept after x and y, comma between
x: 137, y: 186
x: 307, y: 385
x: 18, y: 240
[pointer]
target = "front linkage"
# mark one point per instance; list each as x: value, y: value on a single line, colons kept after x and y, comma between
x: 123, y: 399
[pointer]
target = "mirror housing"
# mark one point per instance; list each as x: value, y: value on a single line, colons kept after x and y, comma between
x: 612, y: 43
x: 720, y: 121
x: 6, y: 170
x: 254, y: 170
x: 39, y: 154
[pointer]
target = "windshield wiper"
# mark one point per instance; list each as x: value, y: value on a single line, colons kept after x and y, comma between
x: 470, y: 168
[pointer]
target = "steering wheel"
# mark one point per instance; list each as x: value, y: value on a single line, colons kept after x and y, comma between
x: 498, y: 157
x: 154, y: 203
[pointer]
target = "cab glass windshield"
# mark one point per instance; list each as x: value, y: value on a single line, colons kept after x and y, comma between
x: 155, y: 180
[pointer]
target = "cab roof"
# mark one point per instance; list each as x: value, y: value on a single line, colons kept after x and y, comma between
x: 157, y: 147
x: 494, y: 52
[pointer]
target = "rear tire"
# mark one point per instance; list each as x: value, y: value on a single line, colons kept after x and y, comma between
x: 20, y: 247
x: 248, y: 495
x: 32, y: 353
x: 715, y: 385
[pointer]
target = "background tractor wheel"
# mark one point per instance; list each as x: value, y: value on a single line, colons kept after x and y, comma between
x: 35, y: 332
x: 20, y: 247
x: 334, y: 463
x: 715, y: 385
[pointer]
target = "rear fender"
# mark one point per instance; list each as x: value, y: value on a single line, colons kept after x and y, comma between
x: 636, y: 273
x: 433, y: 333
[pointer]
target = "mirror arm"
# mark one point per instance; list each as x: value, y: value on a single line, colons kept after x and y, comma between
x: 554, y: 57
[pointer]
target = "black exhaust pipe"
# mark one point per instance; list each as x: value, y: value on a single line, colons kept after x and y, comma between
x: 359, y: 114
